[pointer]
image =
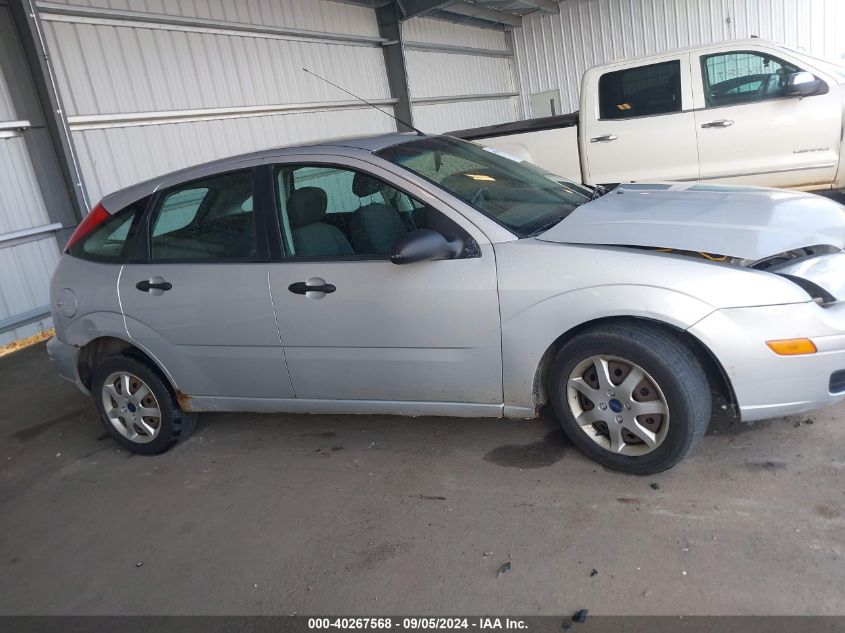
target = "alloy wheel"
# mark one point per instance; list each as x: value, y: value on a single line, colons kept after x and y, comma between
x: 618, y: 405
x: 131, y: 407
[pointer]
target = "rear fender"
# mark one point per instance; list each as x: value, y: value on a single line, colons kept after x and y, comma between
x: 82, y: 330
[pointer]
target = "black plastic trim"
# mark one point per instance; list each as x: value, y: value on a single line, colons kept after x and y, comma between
x: 837, y: 382
x: 811, y: 288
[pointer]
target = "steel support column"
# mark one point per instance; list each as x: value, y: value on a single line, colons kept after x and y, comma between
x: 48, y: 141
x: 394, y: 62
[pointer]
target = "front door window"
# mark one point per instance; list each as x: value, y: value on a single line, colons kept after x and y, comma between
x: 743, y: 77
x: 328, y: 212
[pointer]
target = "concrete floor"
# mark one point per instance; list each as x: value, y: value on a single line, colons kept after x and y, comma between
x: 378, y: 515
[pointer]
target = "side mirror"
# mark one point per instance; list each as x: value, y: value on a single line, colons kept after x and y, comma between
x: 424, y: 245
x: 803, y: 84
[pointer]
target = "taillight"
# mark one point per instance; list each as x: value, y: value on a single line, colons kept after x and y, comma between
x: 90, y: 222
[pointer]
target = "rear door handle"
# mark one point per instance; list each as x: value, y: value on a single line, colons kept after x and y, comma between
x: 604, y: 138
x: 718, y: 123
x: 156, y: 285
x: 314, y: 285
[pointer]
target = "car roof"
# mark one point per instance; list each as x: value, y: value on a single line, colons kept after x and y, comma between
x: 119, y: 199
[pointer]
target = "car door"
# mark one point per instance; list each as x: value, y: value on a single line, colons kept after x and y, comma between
x: 638, y: 123
x: 751, y: 132
x: 198, y: 297
x: 371, y: 330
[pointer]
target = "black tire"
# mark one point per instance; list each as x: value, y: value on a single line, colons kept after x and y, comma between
x: 672, y: 366
x: 175, y: 424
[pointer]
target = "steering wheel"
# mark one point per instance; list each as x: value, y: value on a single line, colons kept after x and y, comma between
x: 770, y: 86
x: 482, y: 195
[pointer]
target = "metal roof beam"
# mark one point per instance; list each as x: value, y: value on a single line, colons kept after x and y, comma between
x: 549, y: 6
x: 483, y: 13
x: 416, y: 8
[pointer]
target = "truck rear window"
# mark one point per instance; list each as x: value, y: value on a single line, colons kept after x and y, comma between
x: 641, y: 91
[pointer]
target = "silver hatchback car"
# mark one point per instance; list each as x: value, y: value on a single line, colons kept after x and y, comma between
x: 424, y: 275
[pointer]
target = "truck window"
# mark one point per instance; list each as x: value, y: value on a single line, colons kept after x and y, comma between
x: 641, y: 91
x: 743, y: 77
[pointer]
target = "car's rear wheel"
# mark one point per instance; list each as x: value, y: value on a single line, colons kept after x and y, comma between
x: 630, y: 396
x: 137, y: 408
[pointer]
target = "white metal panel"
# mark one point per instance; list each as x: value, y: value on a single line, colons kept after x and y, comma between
x: 435, y: 118
x: 432, y: 74
x: 312, y: 15
x: 113, y: 69
x: 554, y: 50
x: 815, y: 26
x: 26, y: 270
x: 440, y: 32
x: 108, y: 66
x: 113, y: 158
x: 21, y: 203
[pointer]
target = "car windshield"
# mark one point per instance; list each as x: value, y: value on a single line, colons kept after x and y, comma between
x: 518, y: 195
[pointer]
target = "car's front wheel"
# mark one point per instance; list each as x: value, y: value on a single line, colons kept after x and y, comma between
x: 630, y: 396
x: 137, y: 408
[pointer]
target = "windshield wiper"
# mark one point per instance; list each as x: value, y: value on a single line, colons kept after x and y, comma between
x: 549, y: 225
x: 598, y: 192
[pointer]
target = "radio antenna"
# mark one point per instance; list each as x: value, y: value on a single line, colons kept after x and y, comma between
x: 372, y: 105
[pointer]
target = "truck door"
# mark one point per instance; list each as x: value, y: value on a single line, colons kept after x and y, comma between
x: 750, y: 131
x: 638, y: 123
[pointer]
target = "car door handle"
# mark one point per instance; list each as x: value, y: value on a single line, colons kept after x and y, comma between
x: 301, y: 288
x: 604, y: 138
x: 718, y: 123
x: 154, y: 284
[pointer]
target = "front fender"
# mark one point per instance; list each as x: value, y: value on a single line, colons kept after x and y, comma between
x: 529, y: 332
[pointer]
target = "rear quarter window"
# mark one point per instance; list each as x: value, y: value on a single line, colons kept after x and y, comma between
x: 111, y: 240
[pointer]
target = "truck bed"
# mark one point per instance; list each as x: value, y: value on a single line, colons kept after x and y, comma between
x: 518, y: 127
x: 550, y: 142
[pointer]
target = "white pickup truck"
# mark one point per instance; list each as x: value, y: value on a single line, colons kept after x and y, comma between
x: 746, y: 112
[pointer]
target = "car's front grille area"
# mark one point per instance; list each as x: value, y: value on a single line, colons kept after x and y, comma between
x: 837, y: 381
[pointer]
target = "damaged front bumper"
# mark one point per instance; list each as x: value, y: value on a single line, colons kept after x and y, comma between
x: 768, y: 385
x: 822, y: 276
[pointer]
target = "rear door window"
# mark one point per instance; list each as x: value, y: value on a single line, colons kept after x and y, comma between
x: 641, y: 91
x: 207, y: 219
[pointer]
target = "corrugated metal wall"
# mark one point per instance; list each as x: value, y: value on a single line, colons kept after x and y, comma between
x: 27, y: 259
x: 459, y: 76
x: 147, y: 93
x: 149, y: 86
x: 554, y: 50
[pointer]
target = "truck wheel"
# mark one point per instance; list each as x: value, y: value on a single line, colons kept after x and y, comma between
x: 137, y: 407
x: 630, y: 396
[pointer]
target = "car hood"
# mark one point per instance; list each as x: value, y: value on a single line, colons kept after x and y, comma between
x: 750, y: 223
